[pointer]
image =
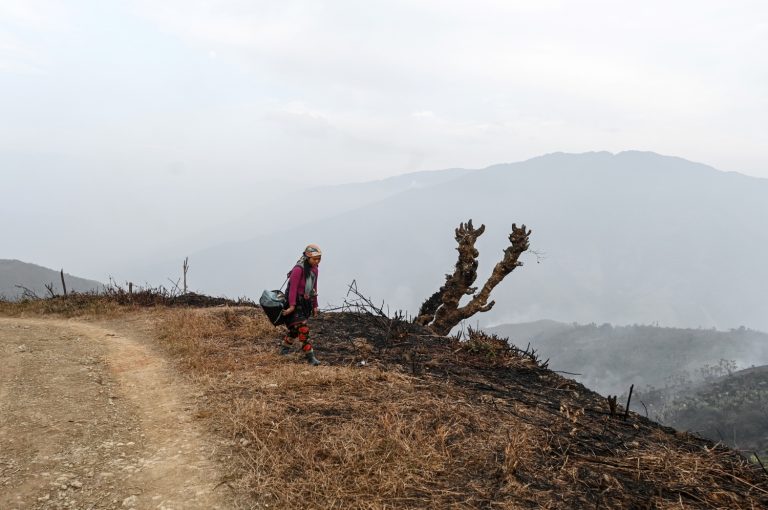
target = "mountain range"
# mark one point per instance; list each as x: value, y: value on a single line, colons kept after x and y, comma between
x: 627, y: 238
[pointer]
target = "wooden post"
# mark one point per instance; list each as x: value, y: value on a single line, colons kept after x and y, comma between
x: 186, y: 268
x: 63, y: 285
x: 629, y: 399
x: 130, y: 287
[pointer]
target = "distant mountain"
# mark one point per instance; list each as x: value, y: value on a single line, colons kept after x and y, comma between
x: 625, y: 238
x: 611, y: 358
x: 34, y: 278
x: 293, y: 206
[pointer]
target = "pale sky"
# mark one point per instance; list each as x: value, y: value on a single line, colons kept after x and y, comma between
x: 359, y: 90
x: 193, y: 104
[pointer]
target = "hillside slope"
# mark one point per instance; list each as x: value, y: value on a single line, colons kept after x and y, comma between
x: 399, y: 418
x: 34, y: 277
x: 404, y: 419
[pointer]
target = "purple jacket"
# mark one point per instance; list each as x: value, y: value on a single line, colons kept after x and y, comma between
x: 297, y: 284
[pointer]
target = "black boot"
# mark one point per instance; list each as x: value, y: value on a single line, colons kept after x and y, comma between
x: 311, y: 359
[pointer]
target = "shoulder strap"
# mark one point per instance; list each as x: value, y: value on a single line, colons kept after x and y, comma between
x: 288, y: 276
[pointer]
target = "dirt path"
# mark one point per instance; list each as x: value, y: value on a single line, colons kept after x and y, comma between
x: 91, y: 417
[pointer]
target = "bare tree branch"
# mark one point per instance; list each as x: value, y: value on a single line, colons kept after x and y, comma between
x: 175, y: 284
x: 441, y: 312
x: 27, y: 293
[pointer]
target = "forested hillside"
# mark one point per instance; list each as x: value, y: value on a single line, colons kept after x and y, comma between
x: 611, y: 358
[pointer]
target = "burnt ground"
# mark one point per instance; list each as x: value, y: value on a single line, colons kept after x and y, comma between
x: 616, y: 457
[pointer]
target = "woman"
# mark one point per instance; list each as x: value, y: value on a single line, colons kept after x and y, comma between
x: 302, y: 302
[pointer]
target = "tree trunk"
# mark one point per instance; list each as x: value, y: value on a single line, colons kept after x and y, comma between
x: 185, y: 267
x: 441, y: 312
x: 63, y: 285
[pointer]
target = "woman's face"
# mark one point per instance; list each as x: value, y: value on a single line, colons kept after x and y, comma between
x: 314, y: 261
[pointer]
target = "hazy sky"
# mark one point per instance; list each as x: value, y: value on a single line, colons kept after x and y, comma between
x: 354, y: 90
x: 185, y: 105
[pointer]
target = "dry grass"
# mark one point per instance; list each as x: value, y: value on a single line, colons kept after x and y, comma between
x: 114, y: 301
x: 477, y: 426
x: 387, y: 442
x: 75, y: 305
x: 425, y: 422
x: 345, y: 437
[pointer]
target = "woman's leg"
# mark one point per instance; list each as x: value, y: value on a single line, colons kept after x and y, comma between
x: 288, y: 339
x: 306, y: 345
x: 299, y: 331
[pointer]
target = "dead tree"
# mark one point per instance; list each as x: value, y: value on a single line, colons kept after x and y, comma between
x: 63, y: 285
x: 185, y: 268
x: 629, y: 399
x: 441, y: 312
x: 612, y: 405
